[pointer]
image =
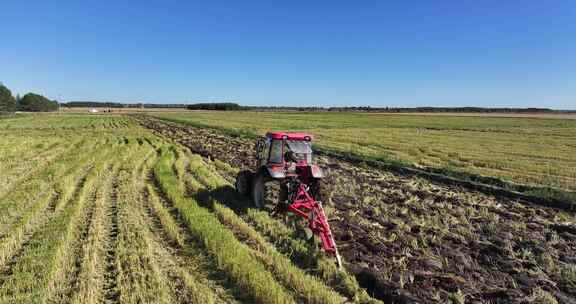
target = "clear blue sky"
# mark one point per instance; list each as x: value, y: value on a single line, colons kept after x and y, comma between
x: 323, y: 53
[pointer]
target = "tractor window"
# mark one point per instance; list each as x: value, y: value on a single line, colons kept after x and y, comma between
x: 276, y: 152
x: 302, y: 149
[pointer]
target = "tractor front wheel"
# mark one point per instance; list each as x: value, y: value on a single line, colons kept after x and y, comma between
x: 244, y: 182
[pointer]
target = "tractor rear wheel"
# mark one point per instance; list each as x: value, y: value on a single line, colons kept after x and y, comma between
x: 259, y: 188
x: 243, y: 182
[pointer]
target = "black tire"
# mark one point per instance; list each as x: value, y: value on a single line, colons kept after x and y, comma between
x: 259, y: 188
x: 243, y: 182
x: 282, y: 202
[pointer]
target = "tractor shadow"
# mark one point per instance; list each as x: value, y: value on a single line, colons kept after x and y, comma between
x: 240, y: 204
x: 225, y: 195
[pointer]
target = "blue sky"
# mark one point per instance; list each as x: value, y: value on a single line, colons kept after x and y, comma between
x: 302, y: 53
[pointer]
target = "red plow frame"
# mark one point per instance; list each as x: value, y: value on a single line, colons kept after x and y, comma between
x: 305, y: 206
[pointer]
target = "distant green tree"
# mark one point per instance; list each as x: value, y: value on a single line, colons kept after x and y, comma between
x: 37, y: 103
x: 7, y: 101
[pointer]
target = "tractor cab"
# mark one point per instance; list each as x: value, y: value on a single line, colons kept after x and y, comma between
x: 282, y: 153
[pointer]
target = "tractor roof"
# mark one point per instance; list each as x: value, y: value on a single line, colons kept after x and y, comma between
x: 290, y: 135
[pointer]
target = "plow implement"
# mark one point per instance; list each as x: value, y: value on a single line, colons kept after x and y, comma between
x: 305, y: 206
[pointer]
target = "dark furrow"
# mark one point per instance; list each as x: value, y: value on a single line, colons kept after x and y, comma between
x: 161, y: 235
x: 111, y: 292
x: 52, y: 204
x: 85, y: 231
x: 171, y: 209
x: 156, y: 226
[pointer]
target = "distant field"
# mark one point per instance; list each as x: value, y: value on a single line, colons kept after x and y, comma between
x: 534, y: 151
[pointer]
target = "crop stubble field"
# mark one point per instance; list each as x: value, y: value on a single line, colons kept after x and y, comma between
x: 120, y: 209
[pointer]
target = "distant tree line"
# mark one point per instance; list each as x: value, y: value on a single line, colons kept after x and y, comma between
x: 222, y: 106
x: 30, y: 102
x: 92, y: 104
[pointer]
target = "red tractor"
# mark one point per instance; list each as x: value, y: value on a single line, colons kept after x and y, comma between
x: 286, y: 158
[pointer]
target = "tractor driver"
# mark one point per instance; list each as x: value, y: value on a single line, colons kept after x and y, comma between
x: 290, y: 156
x: 298, y: 151
x: 290, y: 159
